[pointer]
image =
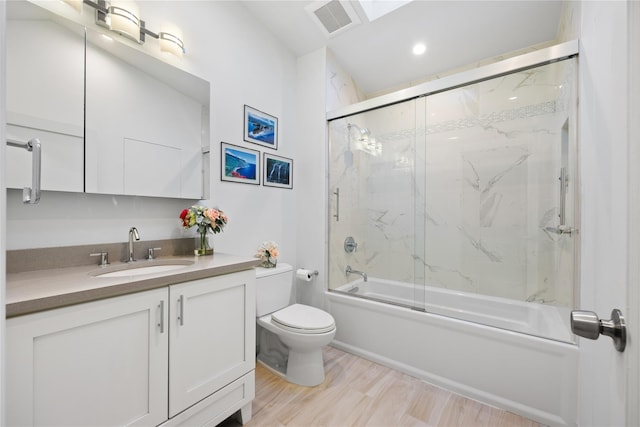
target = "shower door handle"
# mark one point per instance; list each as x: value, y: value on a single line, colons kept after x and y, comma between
x: 587, y: 324
x: 562, y: 228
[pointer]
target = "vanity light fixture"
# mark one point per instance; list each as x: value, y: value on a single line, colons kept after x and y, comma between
x: 168, y: 42
x: 171, y: 43
x: 123, y: 18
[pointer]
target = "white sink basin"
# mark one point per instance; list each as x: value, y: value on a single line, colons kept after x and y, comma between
x: 141, y: 268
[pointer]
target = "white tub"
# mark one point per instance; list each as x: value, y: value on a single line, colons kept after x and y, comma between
x: 544, y: 321
x: 455, y: 349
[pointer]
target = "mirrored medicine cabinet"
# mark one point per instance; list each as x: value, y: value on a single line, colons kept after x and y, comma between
x: 111, y: 118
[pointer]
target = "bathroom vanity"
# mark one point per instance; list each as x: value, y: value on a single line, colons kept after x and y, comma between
x: 161, y: 348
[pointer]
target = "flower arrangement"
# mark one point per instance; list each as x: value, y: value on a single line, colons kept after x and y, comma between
x: 206, y: 219
x: 268, y: 253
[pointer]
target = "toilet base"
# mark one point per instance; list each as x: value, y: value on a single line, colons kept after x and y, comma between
x: 302, y: 368
x: 271, y: 369
x: 305, y: 368
x: 286, y: 358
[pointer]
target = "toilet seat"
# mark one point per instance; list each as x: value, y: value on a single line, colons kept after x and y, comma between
x: 303, y: 319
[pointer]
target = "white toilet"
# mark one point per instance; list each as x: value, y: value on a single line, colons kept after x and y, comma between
x: 290, y: 337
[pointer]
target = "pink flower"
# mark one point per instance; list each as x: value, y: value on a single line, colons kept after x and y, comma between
x: 212, y: 214
x: 267, y: 250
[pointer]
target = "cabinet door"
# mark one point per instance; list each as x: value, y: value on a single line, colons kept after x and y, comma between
x: 99, y: 363
x: 212, y: 336
x: 45, y: 97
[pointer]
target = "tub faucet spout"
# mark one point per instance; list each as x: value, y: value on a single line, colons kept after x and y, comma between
x: 133, y: 234
x: 350, y: 270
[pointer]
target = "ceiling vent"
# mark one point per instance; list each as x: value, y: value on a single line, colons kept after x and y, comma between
x: 333, y: 16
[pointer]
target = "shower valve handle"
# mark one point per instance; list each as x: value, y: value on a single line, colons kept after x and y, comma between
x: 588, y: 325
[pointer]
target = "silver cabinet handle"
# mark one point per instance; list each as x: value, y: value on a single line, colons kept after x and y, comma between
x: 587, y: 324
x: 181, y: 310
x: 161, y: 324
x: 337, y: 214
x: 31, y: 195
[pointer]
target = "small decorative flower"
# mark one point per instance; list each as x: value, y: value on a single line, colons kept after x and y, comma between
x: 206, y: 219
x: 267, y: 250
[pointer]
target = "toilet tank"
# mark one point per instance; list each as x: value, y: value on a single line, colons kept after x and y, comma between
x: 273, y: 288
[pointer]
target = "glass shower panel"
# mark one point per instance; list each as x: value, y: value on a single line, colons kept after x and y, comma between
x: 374, y: 197
x: 500, y: 172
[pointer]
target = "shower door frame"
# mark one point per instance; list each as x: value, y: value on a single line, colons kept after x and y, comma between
x: 528, y: 60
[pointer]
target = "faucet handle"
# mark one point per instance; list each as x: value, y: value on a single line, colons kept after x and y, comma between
x: 151, y: 254
x: 104, y: 258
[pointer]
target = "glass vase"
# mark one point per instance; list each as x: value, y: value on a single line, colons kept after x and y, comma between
x: 203, y: 248
x: 269, y: 262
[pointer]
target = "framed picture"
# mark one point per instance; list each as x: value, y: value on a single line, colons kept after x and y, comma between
x: 239, y: 164
x: 260, y: 128
x: 277, y: 171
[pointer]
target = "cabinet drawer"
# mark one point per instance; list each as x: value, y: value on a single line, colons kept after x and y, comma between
x: 220, y: 405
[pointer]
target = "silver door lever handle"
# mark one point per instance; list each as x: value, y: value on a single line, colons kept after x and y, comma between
x: 588, y: 325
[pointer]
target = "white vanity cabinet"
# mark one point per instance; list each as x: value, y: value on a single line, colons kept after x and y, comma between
x: 102, y: 362
x: 178, y: 355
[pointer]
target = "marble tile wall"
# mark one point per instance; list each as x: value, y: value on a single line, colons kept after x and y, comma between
x: 456, y: 189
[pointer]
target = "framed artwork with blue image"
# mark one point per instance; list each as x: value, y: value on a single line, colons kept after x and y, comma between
x: 260, y: 128
x: 277, y: 171
x: 239, y: 164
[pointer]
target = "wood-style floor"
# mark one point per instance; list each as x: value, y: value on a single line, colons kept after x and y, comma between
x: 357, y: 392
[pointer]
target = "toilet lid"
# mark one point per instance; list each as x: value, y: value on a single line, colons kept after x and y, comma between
x: 303, y: 319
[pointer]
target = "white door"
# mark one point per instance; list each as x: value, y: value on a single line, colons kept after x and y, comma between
x: 609, y: 230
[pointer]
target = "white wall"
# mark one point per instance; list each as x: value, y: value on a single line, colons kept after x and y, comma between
x: 245, y: 65
x: 311, y: 176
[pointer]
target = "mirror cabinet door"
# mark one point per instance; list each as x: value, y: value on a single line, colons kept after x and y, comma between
x: 45, y: 97
x: 144, y: 134
x: 111, y: 118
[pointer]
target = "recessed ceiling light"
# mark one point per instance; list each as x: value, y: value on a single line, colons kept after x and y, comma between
x: 419, y: 48
x: 513, y: 98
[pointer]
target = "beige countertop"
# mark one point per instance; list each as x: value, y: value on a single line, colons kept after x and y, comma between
x: 34, y: 291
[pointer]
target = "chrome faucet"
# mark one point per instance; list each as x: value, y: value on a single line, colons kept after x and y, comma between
x: 133, y: 234
x: 350, y: 270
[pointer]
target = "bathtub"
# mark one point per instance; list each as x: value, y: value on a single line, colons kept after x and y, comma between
x: 485, y: 348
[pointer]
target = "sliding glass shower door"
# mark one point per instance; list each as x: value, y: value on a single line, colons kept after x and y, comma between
x: 500, y: 179
x: 373, y: 200
x: 462, y: 199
